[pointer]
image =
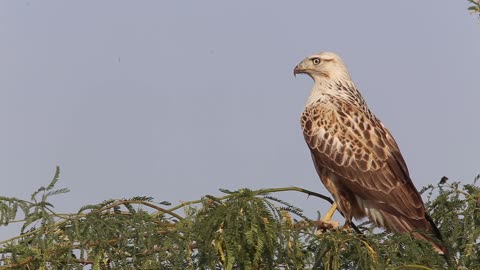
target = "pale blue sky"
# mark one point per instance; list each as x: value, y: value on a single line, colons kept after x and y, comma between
x: 177, y: 99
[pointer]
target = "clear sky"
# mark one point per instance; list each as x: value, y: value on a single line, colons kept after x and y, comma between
x: 175, y: 99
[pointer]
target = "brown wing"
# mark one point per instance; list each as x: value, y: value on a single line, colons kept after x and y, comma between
x: 356, y: 146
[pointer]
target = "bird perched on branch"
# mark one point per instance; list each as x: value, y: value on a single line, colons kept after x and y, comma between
x: 356, y: 157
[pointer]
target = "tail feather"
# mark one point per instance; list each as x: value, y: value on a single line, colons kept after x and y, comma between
x: 424, y: 229
x: 438, y: 242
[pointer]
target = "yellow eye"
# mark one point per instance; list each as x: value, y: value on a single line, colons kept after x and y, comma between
x: 316, y: 61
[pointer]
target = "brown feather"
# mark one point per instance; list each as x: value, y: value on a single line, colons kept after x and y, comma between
x: 380, y: 171
x: 356, y: 157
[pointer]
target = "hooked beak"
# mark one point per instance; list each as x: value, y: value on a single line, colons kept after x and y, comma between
x: 298, y: 70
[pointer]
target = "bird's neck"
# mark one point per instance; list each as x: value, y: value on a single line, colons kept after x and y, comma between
x: 336, y: 89
x: 325, y: 89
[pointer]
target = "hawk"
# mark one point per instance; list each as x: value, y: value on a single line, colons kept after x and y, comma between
x: 356, y: 157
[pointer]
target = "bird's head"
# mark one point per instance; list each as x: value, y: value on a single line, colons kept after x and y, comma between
x: 323, y: 66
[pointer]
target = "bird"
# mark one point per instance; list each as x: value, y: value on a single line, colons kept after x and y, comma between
x: 356, y: 157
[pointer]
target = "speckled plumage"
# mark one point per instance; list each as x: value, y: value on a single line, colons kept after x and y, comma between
x: 356, y: 157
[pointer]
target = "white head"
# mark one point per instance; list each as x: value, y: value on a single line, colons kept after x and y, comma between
x: 324, y: 66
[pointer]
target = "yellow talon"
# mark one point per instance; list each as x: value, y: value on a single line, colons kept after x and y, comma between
x: 326, y: 223
x: 328, y: 216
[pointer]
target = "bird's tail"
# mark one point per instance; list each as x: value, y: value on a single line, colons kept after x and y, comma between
x: 437, y: 241
x: 431, y: 234
x: 424, y: 229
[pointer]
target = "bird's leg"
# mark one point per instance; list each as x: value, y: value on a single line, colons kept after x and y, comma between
x: 346, y: 226
x: 328, y: 216
x: 326, y: 223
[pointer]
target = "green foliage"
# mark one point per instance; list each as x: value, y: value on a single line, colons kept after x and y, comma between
x: 243, y: 229
x: 475, y: 7
x: 456, y: 210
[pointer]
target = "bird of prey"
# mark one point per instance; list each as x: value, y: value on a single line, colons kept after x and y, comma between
x: 356, y: 157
